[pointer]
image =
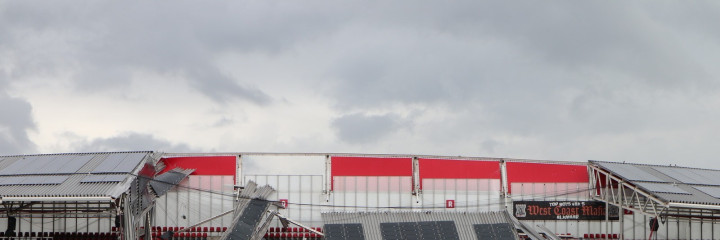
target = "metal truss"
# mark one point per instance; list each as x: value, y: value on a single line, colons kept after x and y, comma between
x: 616, y: 191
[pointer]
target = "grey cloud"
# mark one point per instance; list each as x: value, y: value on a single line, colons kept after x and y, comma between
x: 479, y: 50
x: 553, y: 69
x: 105, y: 43
x: 15, y: 122
x: 131, y: 142
x: 363, y: 128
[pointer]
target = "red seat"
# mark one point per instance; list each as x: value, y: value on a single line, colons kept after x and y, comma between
x: 212, y: 229
x: 224, y: 229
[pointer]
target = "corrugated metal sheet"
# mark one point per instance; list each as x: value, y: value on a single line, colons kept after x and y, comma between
x: 371, y: 221
x: 669, y: 183
x: 47, y: 185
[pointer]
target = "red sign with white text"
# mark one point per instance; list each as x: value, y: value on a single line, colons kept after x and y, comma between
x: 449, y: 203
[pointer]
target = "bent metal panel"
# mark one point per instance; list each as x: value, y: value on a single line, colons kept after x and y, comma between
x: 563, y: 210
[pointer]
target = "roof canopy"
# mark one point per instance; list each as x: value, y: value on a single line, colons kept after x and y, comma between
x: 654, y: 189
x: 69, y: 177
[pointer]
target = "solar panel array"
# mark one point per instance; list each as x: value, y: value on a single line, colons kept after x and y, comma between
x: 692, y: 176
x: 119, y: 163
x: 32, y: 180
x: 671, y: 183
x: 245, y: 225
x: 662, y: 188
x: 432, y: 230
x: 55, y: 169
x: 105, y: 178
x: 631, y: 172
x: 347, y: 231
x: 712, y: 191
x: 495, y: 231
x: 60, y: 164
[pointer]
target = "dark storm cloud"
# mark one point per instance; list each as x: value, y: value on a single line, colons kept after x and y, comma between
x: 131, y: 142
x: 362, y: 128
x: 103, y: 43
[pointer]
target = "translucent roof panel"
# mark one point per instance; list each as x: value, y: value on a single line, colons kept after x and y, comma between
x: 712, y: 191
x: 662, y: 188
x: 630, y: 172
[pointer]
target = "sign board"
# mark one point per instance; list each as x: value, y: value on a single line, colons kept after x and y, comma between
x: 563, y: 210
x: 449, y: 203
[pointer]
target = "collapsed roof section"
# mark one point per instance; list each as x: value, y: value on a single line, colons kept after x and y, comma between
x: 162, y: 183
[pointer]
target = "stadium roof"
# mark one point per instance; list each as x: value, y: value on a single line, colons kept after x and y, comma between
x: 672, y: 184
x: 69, y: 177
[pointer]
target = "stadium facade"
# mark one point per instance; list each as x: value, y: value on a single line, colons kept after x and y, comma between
x: 588, y: 200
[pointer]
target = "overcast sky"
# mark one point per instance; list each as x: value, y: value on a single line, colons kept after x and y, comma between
x: 634, y: 81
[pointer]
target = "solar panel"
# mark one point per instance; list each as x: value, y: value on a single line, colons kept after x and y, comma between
x: 32, y: 180
x: 103, y: 178
x: 712, y: 191
x: 350, y: 231
x: 431, y: 230
x: 51, y: 164
x: 499, y: 231
x: 11, y: 180
x: 115, y: 178
x: 166, y: 181
x: 630, y: 172
x: 484, y: 232
x: 109, y: 163
x: 447, y: 230
x: 335, y: 231
x: 410, y: 230
x: 354, y: 232
x: 692, y: 176
x: 130, y: 162
x: 428, y: 230
x: 38, y: 164
x: 504, y: 231
x: 662, y: 188
x: 119, y: 163
x: 25, y: 165
x: 251, y: 216
x: 71, y: 164
x: 38, y: 180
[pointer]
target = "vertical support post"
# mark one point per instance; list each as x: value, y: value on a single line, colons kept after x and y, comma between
x: 416, y: 179
x: 621, y: 210
x: 504, y: 194
x: 238, y: 170
x: 327, y: 187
